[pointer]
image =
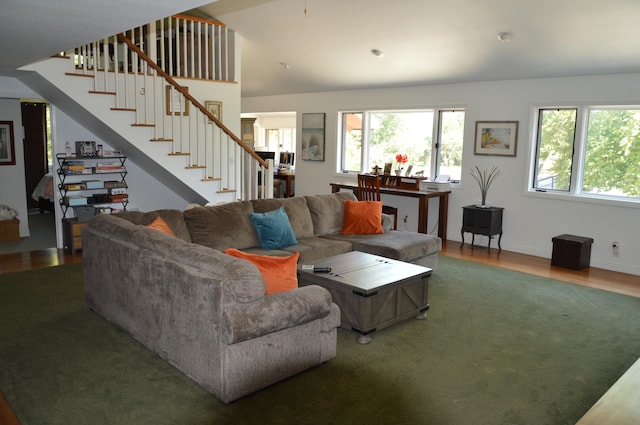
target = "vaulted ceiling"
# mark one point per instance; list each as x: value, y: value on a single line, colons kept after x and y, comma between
x: 294, y: 46
x: 327, y: 43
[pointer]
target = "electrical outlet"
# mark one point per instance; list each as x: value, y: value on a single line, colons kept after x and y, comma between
x: 406, y: 218
x: 616, y: 248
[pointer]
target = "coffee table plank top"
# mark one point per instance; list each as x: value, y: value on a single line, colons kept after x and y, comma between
x: 366, y: 272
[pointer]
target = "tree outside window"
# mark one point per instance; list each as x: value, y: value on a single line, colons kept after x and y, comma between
x: 602, y: 160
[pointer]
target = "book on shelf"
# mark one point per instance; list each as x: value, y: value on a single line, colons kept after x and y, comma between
x: 118, y: 198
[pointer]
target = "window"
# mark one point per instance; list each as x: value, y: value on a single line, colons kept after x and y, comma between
x: 588, y: 151
x: 280, y: 140
x: 431, y: 139
x: 556, y: 133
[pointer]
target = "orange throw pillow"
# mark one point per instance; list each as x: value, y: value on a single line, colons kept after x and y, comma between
x: 362, y: 218
x: 280, y: 274
x: 160, y: 224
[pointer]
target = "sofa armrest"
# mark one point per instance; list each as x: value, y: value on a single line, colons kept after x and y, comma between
x: 271, y: 313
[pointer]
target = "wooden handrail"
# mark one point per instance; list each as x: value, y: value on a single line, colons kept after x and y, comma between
x: 124, y: 39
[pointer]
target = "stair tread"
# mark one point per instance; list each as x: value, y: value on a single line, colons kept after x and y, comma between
x: 76, y: 74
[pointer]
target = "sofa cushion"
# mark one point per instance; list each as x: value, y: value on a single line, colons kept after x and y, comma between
x: 297, y: 211
x: 311, y: 249
x: 279, y: 273
x: 222, y: 226
x: 395, y: 244
x: 173, y: 218
x: 161, y: 225
x: 327, y: 212
x: 362, y: 218
x: 273, y: 229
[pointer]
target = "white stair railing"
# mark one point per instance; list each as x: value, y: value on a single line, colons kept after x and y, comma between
x: 184, y: 47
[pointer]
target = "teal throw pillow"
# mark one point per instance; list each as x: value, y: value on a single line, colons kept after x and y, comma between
x: 274, y: 229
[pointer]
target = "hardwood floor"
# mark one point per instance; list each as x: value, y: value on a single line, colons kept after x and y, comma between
x: 621, y: 283
x: 596, y: 278
x: 29, y: 260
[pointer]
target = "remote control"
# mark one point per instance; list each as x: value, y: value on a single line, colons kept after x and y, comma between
x: 321, y: 269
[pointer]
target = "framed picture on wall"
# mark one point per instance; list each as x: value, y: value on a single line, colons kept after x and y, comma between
x: 313, y: 137
x: 176, y: 103
x: 7, y: 146
x: 215, y: 108
x: 496, y: 138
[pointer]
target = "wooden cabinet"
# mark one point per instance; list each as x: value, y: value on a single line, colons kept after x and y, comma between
x: 247, y: 131
x: 72, y: 234
x: 482, y: 221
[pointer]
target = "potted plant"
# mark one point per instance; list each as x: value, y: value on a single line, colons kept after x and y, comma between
x: 484, y: 178
x: 401, y: 158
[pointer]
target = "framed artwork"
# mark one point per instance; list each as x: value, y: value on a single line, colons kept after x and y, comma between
x: 215, y: 108
x: 176, y: 103
x: 409, y: 170
x: 496, y: 138
x: 7, y: 146
x: 387, y: 168
x: 313, y: 137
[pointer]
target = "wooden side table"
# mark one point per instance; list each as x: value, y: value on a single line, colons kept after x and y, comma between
x: 482, y: 221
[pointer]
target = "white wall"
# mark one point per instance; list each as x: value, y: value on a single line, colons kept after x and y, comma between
x: 530, y: 220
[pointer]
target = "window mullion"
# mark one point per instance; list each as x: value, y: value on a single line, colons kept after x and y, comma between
x: 579, y: 150
x: 436, y: 144
x: 366, y: 133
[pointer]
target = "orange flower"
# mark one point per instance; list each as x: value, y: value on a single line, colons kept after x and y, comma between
x: 401, y: 158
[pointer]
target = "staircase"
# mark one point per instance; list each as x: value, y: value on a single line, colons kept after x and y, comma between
x: 126, y: 90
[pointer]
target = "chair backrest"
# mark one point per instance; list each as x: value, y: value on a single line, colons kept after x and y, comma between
x: 368, y: 187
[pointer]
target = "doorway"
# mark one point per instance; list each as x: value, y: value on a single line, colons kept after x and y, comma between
x: 38, y: 175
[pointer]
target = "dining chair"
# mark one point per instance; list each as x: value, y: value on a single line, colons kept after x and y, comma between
x: 369, y: 190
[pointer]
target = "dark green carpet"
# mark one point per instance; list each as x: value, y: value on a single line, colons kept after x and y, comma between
x: 499, y: 347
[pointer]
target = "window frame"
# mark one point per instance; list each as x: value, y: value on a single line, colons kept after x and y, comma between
x: 575, y: 192
x: 436, y: 135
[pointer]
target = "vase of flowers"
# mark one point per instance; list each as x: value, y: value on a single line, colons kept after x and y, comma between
x: 484, y: 178
x: 401, y: 159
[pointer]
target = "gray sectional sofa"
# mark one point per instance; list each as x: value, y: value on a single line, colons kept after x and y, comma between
x: 206, y: 312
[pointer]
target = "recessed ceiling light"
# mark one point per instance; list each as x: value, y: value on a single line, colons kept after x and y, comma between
x: 505, y: 36
x: 377, y: 53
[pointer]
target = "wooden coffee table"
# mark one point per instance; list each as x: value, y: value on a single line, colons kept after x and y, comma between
x: 372, y: 292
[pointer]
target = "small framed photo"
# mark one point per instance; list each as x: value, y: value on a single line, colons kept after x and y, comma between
x: 409, y: 170
x: 496, y: 138
x: 215, y: 108
x: 387, y: 168
x: 177, y: 104
x: 7, y: 146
